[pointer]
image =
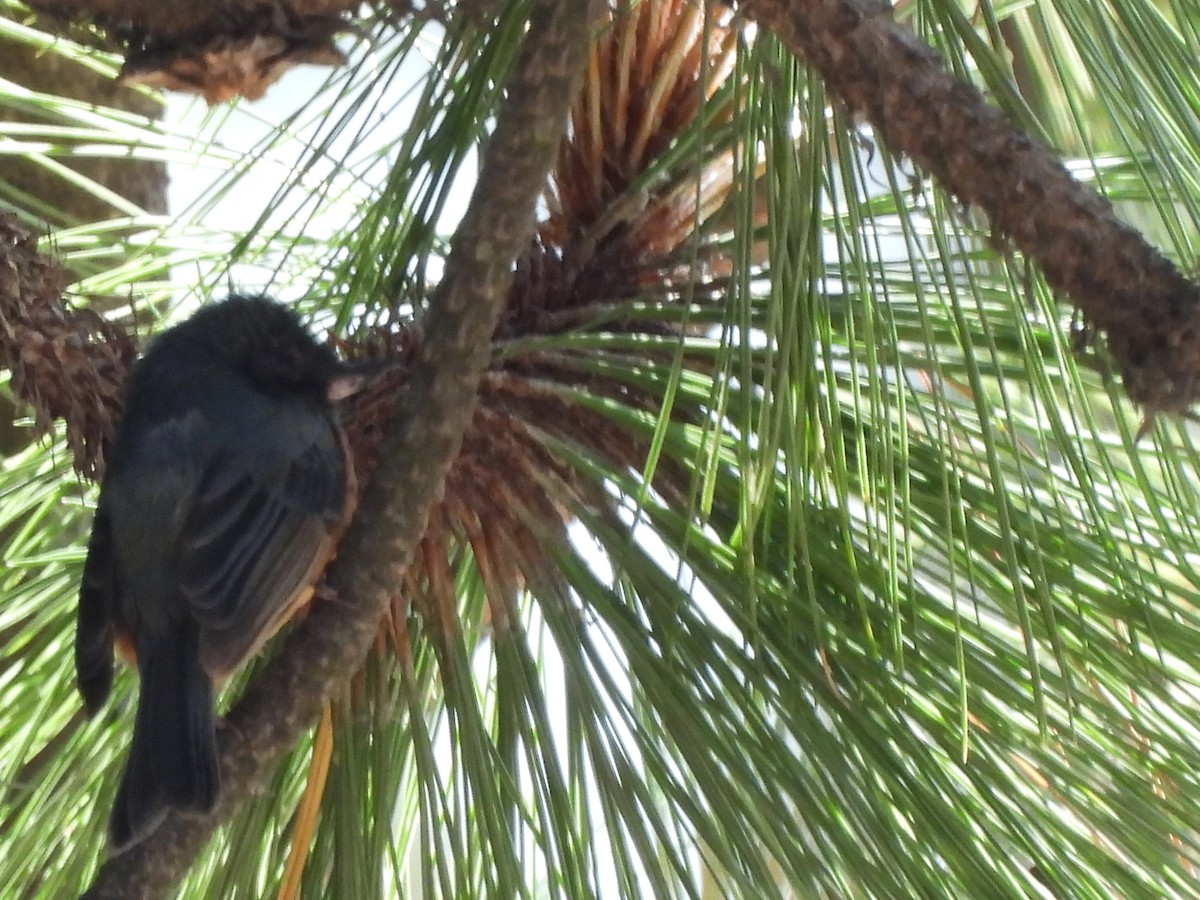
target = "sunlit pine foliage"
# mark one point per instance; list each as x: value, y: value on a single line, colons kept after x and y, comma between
x: 800, y: 545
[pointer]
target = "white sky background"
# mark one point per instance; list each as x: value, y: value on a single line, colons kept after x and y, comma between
x: 244, y: 128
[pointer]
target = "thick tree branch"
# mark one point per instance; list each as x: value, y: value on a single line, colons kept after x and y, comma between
x: 1148, y: 311
x: 331, y: 643
x: 192, y: 19
x: 217, y: 49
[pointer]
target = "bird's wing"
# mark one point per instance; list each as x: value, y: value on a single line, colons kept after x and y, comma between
x: 258, y: 525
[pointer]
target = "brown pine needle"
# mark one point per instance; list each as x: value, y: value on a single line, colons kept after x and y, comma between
x: 309, y: 808
x: 626, y: 46
x: 722, y: 66
x: 666, y: 73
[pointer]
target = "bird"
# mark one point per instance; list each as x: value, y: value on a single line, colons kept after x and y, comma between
x: 227, y: 488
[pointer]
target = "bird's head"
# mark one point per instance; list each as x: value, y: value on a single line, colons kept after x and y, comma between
x: 266, y: 342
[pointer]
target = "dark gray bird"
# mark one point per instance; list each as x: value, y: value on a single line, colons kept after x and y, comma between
x: 226, y: 491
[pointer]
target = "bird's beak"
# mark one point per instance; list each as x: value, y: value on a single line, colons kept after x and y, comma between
x: 355, y: 376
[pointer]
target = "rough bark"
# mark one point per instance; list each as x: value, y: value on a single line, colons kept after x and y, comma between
x: 218, y: 49
x: 1148, y: 312
x: 167, y: 19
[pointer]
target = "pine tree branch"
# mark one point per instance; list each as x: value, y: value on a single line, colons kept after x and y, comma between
x: 193, y: 20
x: 325, y: 650
x: 1149, y: 313
x: 217, y: 49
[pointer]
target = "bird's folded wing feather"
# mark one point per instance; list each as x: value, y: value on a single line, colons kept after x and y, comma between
x: 249, y: 544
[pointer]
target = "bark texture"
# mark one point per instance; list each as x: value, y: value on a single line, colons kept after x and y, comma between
x: 1147, y: 310
x: 180, y: 19
x: 216, y: 50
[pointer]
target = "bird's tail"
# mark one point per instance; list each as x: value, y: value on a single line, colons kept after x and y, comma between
x: 93, y: 629
x: 173, y: 760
